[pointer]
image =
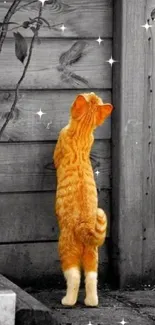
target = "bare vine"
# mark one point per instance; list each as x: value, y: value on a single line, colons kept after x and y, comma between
x: 7, y: 18
x: 24, y: 72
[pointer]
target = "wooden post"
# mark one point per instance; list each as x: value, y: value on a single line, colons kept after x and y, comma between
x: 127, y: 140
x: 149, y: 154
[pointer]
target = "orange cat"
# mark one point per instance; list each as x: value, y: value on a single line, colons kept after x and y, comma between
x: 82, y: 224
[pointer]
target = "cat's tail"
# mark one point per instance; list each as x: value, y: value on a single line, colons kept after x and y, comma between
x: 94, y: 236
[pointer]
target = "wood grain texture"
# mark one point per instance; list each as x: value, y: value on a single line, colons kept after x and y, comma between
x: 127, y: 140
x: 25, y: 125
x: 28, y: 166
x: 82, y: 18
x: 29, y: 310
x: 148, y: 230
x: 59, y: 64
x: 31, y: 216
x: 37, y: 262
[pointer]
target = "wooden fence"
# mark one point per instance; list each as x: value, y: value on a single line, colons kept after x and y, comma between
x: 28, y: 229
x: 28, y: 232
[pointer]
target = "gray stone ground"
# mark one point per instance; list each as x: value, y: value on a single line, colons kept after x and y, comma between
x: 135, y: 307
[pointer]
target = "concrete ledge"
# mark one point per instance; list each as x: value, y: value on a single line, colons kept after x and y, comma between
x: 7, y: 307
x: 135, y: 307
x: 29, y: 311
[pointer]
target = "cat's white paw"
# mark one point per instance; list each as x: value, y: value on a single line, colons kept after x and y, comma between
x: 91, y: 301
x: 68, y: 301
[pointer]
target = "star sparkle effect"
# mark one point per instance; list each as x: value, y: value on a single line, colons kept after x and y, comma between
x: 111, y: 61
x: 90, y: 323
x: 123, y: 322
x: 43, y: 2
x: 63, y: 28
x: 97, y: 172
x: 99, y: 40
x: 146, y: 26
x: 40, y: 113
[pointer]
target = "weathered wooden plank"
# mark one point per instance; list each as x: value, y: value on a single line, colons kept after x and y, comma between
x: 32, y: 216
x: 28, y: 166
x: 82, y: 18
x: 103, y: 315
x: 127, y: 140
x: 32, y: 262
x: 82, y: 65
x: 149, y: 157
x: 52, y: 298
x: 25, y: 125
x: 29, y: 310
x: 135, y: 306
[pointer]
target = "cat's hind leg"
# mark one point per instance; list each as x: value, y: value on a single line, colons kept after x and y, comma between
x: 72, y: 277
x: 90, y: 266
x: 69, y: 252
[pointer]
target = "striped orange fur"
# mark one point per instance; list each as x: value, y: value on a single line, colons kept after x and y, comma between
x: 82, y: 224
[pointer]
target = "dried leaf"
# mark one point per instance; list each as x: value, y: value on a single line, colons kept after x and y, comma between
x: 33, y: 29
x: 153, y: 14
x: 26, y: 24
x: 20, y: 46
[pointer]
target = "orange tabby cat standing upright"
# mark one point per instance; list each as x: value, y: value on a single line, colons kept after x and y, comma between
x: 82, y: 224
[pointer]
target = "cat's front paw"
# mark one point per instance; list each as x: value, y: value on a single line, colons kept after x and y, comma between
x: 91, y: 301
x: 68, y: 301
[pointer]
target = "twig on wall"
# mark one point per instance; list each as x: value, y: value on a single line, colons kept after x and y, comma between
x: 26, y: 4
x: 6, y: 20
x: 24, y: 72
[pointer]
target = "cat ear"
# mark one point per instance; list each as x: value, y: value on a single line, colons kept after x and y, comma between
x: 102, y: 113
x: 79, y: 107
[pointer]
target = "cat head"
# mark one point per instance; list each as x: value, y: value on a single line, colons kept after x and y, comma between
x: 89, y: 108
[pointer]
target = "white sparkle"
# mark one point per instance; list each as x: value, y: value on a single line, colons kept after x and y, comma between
x: 99, y: 40
x: 63, y: 28
x: 123, y: 322
x: 89, y: 323
x: 97, y: 172
x: 146, y: 26
x: 136, y: 142
x: 43, y: 2
x: 4, y: 1
x: 40, y: 113
x: 111, y: 61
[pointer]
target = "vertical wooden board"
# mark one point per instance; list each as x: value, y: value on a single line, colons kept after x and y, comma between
x: 31, y: 216
x: 58, y: 64
x: 25, y: 125
x: 127, y: 140
x: 81, y: 18
x: 149, y: 155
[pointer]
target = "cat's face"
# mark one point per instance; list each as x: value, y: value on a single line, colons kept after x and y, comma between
x: 88, y: 108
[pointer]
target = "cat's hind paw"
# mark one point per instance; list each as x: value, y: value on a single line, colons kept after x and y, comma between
x: 91, y: 301
x: 68, y: 301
